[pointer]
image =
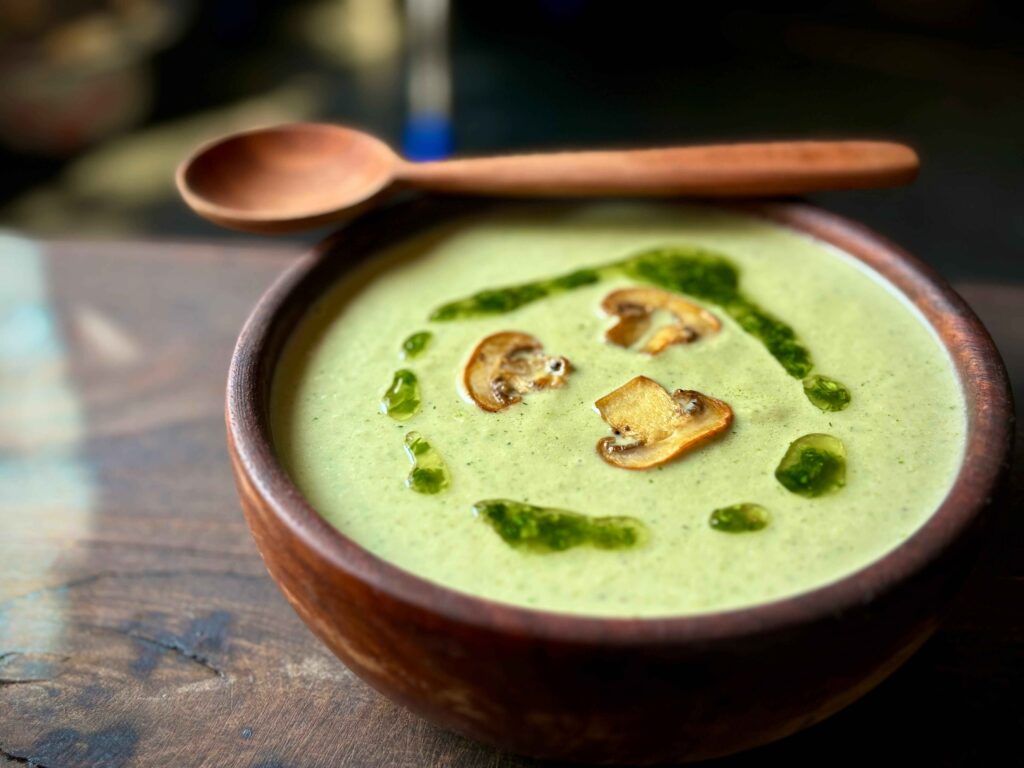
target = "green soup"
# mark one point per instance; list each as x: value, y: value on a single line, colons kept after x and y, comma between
x: 518, y: 506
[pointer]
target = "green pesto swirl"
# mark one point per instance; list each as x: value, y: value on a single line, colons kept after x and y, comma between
x: 429, y: 473
x: 416, y: 344
x: 402, y: 399
x: 739, y: 518
x: 827, y: 394
x: 544, y: 530
x: 698, y: 272
x: 814, y: 465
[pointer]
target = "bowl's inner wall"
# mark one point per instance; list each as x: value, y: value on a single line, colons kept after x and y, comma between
x: 368, y: 237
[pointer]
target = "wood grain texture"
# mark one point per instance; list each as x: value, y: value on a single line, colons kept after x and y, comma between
x: 766, y: 169
x: 297, y: 176
x: 154, y: 636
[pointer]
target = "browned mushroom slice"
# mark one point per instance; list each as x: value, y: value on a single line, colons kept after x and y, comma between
x: 633, y: 308
x: 653, y: 427
x: 506, y: 365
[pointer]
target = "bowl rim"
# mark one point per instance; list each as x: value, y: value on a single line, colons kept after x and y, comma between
x: 977, y: 363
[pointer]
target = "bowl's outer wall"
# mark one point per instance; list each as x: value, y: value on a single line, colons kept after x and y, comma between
x: 637, y: 691
x: 643, y: 702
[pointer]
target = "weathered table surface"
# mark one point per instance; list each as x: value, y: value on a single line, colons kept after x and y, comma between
x: 138, y: 627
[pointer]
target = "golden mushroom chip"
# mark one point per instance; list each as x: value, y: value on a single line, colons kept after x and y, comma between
x: 653, y: 427
x: 633, y: 309
x: 505, y: 366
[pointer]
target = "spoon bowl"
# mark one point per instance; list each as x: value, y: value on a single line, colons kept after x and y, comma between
x: 286, y: 178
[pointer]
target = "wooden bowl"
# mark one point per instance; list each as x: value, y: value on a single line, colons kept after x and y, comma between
x: 610, y: 689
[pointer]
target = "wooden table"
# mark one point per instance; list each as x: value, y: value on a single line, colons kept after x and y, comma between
x: 138, y: 627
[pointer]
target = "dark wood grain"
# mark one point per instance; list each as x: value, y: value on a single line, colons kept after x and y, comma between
x: 151, y: 635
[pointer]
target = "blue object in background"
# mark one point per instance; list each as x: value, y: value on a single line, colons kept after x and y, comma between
x: 427, y: 137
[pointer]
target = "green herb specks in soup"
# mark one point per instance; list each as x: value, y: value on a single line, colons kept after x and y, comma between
x: 603, y: 383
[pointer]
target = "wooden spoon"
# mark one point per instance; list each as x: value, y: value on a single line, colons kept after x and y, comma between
x: 301, y: 175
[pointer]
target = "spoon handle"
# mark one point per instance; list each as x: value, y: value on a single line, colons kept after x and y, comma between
x: 727, y: 170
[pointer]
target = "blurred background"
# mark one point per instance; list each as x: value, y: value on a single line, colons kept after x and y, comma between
x: 100, y: 100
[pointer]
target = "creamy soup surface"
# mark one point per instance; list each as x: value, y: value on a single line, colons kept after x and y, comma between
x: 903, y: 430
